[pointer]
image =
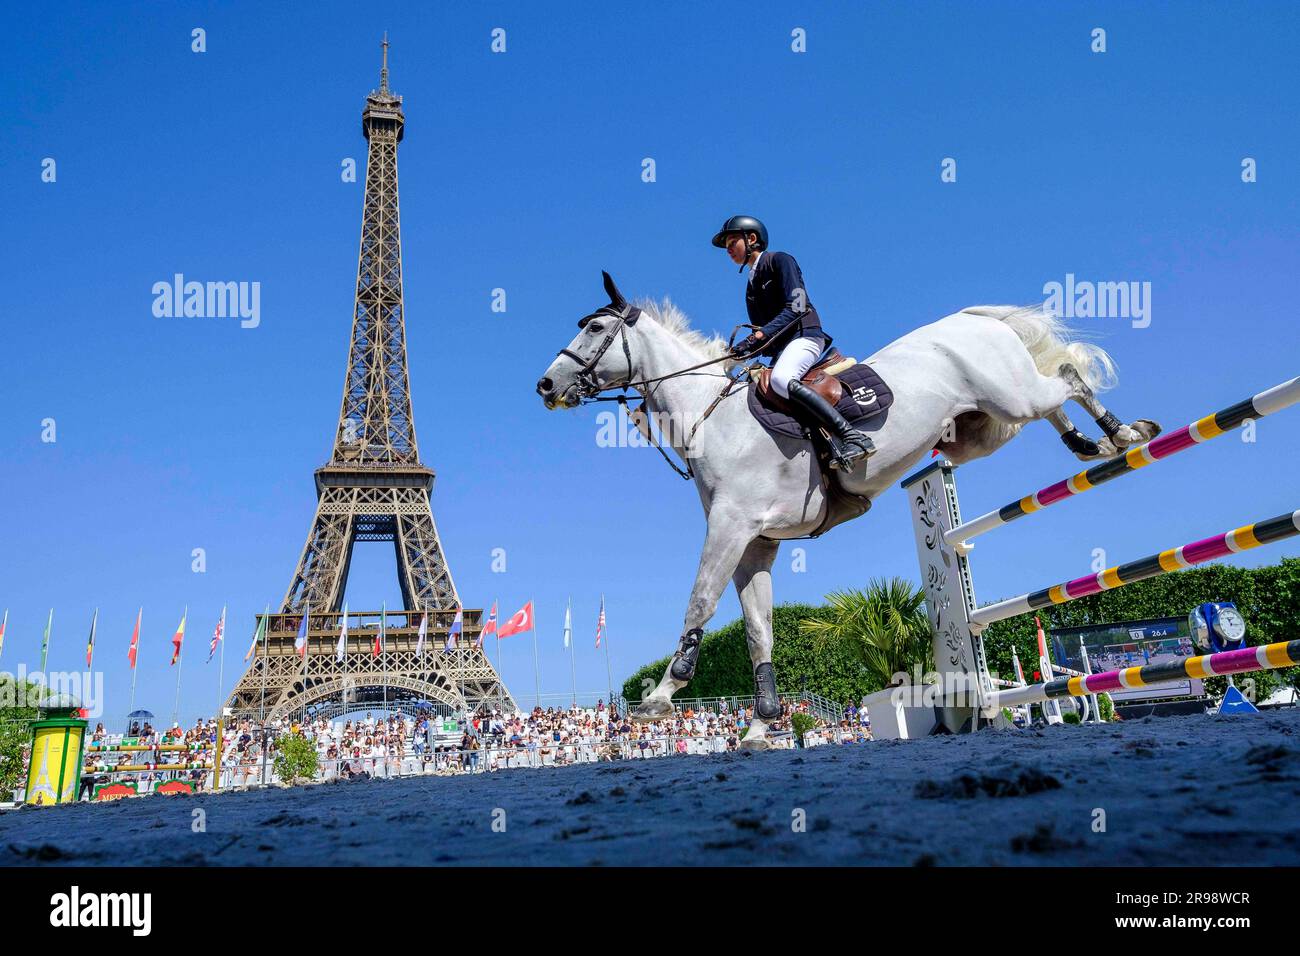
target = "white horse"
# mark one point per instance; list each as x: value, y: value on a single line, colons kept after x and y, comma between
x: 965, y: 385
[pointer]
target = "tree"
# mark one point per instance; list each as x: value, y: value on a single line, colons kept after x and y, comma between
x: 15, y: 732
x: 801, y: 723
x: 884, y: 627
x: 295, y: 759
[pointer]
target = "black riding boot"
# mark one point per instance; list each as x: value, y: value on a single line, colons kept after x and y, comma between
x: 848, y: 445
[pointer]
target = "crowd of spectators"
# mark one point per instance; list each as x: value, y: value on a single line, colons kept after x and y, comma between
x: 399, y: 744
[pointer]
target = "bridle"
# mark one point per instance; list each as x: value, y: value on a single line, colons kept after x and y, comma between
x: 589, y: 389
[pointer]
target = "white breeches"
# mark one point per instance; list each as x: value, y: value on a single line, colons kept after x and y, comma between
x: 795, y: 359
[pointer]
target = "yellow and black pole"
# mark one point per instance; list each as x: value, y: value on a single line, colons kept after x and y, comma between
x: 216, y: 756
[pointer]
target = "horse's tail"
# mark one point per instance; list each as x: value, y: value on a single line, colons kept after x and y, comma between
x: 1052, y: 343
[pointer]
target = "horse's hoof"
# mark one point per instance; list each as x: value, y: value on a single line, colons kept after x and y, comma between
x: 1146, y: 428
x: 1135, y: 433
x: 755, y: 745
x: 652, y: 708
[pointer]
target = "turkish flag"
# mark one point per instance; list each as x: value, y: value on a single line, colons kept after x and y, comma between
x: 520, y: 621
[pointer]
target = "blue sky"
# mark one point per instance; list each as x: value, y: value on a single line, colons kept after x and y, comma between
x: 522, y: 171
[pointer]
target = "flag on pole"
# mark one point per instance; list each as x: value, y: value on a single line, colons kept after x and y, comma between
x: 491, y: 626
x: 379, y: 637
x: 45, y: 641
x: 424, y: 632
x: 568, y: 622
x: 453, y: 632
x: 177, y: 638
x: 3, y: 625
x: 217, y: 635
x: 300, y: 642
x: 520, y: 621
x: 600, y: 623
x: 342, y: 650
x: 135, y: 640
x: 90, y: 641
x: 259, y: 634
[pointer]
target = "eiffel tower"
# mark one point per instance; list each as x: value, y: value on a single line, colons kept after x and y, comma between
x: 374, y: 488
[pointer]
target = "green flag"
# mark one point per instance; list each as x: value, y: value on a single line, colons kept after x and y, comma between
x: 260, y: 633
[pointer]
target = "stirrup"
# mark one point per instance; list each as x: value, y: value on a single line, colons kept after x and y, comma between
x: 846, y: 455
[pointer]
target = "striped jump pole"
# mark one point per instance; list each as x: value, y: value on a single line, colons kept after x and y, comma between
x: 1163, y: 446
x: 1262, y: 658
x: 966, y: 689
x: 1175, y: 559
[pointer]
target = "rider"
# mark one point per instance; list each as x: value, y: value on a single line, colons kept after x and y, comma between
x: 789, y: 330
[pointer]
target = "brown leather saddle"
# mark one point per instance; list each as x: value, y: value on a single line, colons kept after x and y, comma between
x: 820, y: 378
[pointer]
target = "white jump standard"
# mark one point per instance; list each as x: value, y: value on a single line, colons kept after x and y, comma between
x: 967, y: 691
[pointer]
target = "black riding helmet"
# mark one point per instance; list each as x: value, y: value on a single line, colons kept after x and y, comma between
x: 741, y: 224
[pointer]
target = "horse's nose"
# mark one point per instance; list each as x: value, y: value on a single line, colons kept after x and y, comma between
x: 545, y: 386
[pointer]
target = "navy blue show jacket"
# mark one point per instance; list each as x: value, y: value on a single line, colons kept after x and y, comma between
x: 774, y: 296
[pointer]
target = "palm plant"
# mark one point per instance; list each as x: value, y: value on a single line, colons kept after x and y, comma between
x: 885, y: 627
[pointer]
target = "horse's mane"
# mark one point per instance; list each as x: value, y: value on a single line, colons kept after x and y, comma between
x: 674, y: 320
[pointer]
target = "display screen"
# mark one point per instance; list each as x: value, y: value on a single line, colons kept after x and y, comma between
x: 1130, y: 644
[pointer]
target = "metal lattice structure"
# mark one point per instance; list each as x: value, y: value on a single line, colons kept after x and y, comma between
x: 374, y: 488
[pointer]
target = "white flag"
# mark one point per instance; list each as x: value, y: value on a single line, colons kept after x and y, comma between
x: 342, y: 651
x: 424, y: 631
x: 568, y: 614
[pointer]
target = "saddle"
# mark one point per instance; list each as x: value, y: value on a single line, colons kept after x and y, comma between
x: 820, y: 378
x: 856, y: 391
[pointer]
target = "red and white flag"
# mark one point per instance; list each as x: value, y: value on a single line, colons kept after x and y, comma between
x: 600, y: 623
x: 520, y: 621
x: 135, y: 639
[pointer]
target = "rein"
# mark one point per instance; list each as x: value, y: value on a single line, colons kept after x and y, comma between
x: 627, y: 315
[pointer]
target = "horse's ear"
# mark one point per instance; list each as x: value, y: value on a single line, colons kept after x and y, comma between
x: 615, y: 297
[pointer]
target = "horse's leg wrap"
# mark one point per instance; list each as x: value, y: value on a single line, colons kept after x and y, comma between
x: 1110, y: 424
x: 1080, y: 444
x: 766, y: 703
x: 687, y: 655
